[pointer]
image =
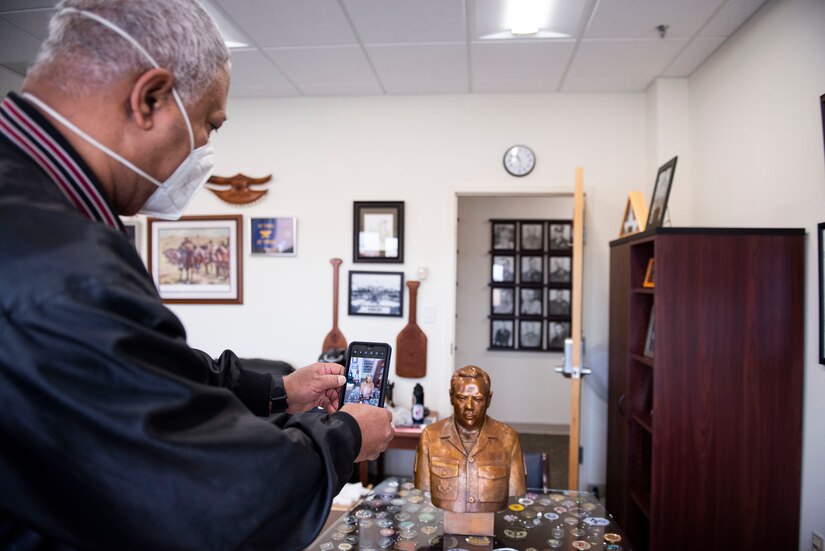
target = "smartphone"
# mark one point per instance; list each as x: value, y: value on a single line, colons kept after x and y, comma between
x: 367, y: 366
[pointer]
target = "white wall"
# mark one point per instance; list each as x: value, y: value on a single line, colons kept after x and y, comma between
x: 756, y: 142
x: 524, y: 378
x: 9, y: 81
x: 325, y: 153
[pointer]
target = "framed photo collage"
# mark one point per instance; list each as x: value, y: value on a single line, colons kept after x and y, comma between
x: 530, y: 284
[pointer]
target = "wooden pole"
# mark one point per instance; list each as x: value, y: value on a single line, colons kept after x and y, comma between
x: 576, y: 332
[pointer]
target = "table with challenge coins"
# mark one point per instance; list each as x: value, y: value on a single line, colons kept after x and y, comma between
x: 395, y: 515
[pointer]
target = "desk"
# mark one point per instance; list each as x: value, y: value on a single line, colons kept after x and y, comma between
x: 406, y: 438
x: 397, y: 516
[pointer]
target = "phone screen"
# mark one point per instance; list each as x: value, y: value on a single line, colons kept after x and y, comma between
x: 367, y: 367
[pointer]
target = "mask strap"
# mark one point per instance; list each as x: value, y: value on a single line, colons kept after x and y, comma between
x: 42, y: 105
x: 117, y: 30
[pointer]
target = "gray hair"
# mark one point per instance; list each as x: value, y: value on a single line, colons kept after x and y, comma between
x: 81, y: 55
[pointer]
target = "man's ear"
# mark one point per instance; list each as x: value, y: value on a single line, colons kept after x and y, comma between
x: 151, y: 91
x: 489, y: 397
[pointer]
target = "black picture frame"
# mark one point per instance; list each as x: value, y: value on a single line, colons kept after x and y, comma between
x: 503, y: 269
x: 503, y: 236
x: 558, y: 302
x: 531, y: 269
x: 821, y: 254
x: 502, y: 334
x: 503, y: 301
x: 559, y: 269
x: 376, y: 294
x: 378, y: 232
x: 661, y: 194
x: 557, y: 332
x: 561, y: 236
x: 531, y: 301
x: 530, y: 334
x: 531, y: 236
x: 822, y: 106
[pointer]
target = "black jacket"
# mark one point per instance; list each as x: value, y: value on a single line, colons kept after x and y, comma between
x: 114, y: 433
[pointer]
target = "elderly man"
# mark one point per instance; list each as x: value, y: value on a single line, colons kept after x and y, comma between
x: 470, y: 462
x: 115, y: 433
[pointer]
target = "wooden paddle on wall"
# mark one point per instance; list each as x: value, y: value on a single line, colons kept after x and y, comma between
x: 411, y: 344
x: 335, y: 339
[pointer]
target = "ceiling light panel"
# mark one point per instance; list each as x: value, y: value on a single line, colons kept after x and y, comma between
x: 554, y: 18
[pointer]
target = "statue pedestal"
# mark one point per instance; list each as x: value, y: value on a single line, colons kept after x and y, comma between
x: 469, y: 524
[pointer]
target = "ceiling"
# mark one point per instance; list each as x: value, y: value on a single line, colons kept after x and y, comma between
x: 394, y: 47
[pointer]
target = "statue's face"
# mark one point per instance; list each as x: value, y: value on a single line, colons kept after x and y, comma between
x: 470, y: 400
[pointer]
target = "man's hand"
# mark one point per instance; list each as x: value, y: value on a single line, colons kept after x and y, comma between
x: 314, y: 385
x: 376, y: 429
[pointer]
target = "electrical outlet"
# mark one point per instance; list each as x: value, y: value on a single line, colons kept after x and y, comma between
x: 816, y: 542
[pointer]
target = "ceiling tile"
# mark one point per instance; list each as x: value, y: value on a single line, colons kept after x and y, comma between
x: 411, y: 87
x: 608, y: 86
x: 16, y: 46
x: 253, y: 68
x: 407, y: 21
x: 261, y: 91
x: 528, y: 60
x: 516, y: 86
x: 422, y: 62
x: 291, y: 22
x: 610, y: 59
x: 326, y: 65
x: 635, y: 19
x: 34, y: 22
x: 342, y: 89
x: 731, y: 17
x: 692, y: 56
x: 10, y: 5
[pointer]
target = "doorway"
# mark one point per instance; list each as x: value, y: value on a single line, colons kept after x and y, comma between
x: 527, y: 393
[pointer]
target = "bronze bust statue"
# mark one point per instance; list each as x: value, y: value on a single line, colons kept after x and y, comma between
x: 470, y: 462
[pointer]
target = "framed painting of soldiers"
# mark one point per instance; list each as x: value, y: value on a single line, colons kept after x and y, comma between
x: 197, y: 259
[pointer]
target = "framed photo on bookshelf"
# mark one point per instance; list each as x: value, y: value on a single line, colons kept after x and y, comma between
x: 821, y: 249
x: 501, y: 333
x: 661, y: 193
x: 649, y: 281
x: 503, y: 301
x: 529, y: 334
x: 504, y: 268
x: 648, y: 350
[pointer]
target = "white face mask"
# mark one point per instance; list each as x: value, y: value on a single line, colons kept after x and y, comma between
x: 176, y: 192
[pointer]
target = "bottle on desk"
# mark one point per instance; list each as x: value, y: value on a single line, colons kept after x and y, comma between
x: 418, y: 404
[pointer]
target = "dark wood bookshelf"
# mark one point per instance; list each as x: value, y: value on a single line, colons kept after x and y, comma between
x: 704, y: 437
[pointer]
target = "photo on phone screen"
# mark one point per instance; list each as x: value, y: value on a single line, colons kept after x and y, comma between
x: 367, y: 366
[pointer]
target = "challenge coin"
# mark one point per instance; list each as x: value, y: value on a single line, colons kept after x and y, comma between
x: 596, y: 521
x: 516, y: 507
x: 612, y: 538
x: 478, y: 540
x: 581, y: 544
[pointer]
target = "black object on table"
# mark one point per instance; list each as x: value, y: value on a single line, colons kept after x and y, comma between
x: 395, y: 515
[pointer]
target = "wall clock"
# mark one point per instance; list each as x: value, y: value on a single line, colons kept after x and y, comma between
x: 519, y: 160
